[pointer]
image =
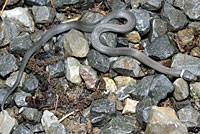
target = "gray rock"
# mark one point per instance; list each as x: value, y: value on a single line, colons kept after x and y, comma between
x: 56, y: 69
x: 195, y: 25
x: 179, y: 3
x: 63, y: 3
x: 8, y: 64
x: 7, y: 123
x: 151, y: 5
x: 32, y: 115
x: 120, y: 125
x: 135, y: 4
x: 192, y: 9
x: 101, y: 111
x: 158, y: 28
x: 181, y: 89
x: 37, y: 2
x: 121, y: 41
x: 72, y: 66
x: 21, y: 17
x: 31, y: 84
x: 175, y: 19
x: 164, y: 119
x: 182, y: 104
x: 43, y: 14
x: 154, y: 86
x: 89, y: 75
x: 117, y: 4
x: 37, y: 128
x: 189, y: 116
x: 183, y: 61
x: 20, y: 98
x: 12, y: 2
x: 21, y: 44
x: 56, y: 128
x: 98, y: 61
x: 161, y: 48
x: 127, y: 66
x: 124, y: 92
x: 75, y: 44
x: 195, y: 88
x: 21, y: 129
x: 3, y: 92
x: 142, y: 21
x: 169, y: 1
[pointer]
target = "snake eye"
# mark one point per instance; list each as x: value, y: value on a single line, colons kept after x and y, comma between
x: 187, y: 75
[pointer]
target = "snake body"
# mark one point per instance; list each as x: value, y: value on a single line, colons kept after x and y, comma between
x: 97, y: 29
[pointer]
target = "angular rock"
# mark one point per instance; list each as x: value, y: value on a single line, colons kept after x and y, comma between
x: 43, y: 14
x: 112, y: 97
x: 21, y: 17
x: 37, y: 2
x: 102, y: 111
x: 31, y: 84
x: 124, y: 81
x: 56, y: 69
x: 195, y: 52
x: 98, y: 61
x: 21, y: 129
x: 124, y: 92
x: 195, y: 88
x: 8, y: 64
x: 121, y: 41
x: 3, y: 91
x: 20, y: 98
x: 57, y: 128
x: 135, y: 4
x: 72, y: 70
x: 110, y: 85
x: 195, y: 25
x: 133, y: 36
x: 164, y: 119
x: 89, y: 75
x: 12, y: 2
x: 186, y: 36
x: 192, y: 9
x: 161, y: 48
x: 127, y: 66
x: 48, y: 118
x: 75, y: 44
x: 130, y: 106
x: 183, y: 61
x: 151, y: 5
x: 117, y: 4
x: 37, y: 128
x: 181, y: 89
x: 32, y: 115
x: 21, y: 44
x: 175, y: 21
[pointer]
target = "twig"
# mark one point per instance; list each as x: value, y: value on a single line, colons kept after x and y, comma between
x: 3, y: 7
x: 56, y: 103
x: 52, y: 5
x: 67, y: 115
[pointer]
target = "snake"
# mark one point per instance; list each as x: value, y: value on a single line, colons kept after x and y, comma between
x: 97, y: 29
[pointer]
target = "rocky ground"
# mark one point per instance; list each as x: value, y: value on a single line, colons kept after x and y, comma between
x: 70, y: 88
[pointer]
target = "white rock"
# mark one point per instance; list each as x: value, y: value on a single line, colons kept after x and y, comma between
x: 130, y: 106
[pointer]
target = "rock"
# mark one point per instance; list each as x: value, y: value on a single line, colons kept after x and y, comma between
x: 120, y: 125
x: 72, y: 70
x: 181, y: 89
x: 43, y: 14
x: 37, y: 128
x: 124, y: 81
x: 164, y: 120
x: 183, y: 61
x: 151, y: 5
x: 32, y: 115
x: 195, y: 88
x: 112, y: 97
x: 37, y: 2
x: 195, y: 25
x: 89, y: 75
x: 127, y: 66
x: 98, y: 61
x: 135, y: 4
x: 20, y: 98
x: 117, y: 4
x: 21, y: 17
x: 101, y: 111
x: 31, y: 84
x: 182, y: 104
x: 189, y: 116
x: 195, y: 52
x: 56, y: 69
x: 158, y: 28
x: 12, y: 2
x: 130, y: 106
x: 7, y: 123
x: 75, y: 44
x: 48, y: 118
x: 121, y: 41
x: 161, y: 48
x: 21, y: 44
x: 8, y: 64
x: 110, y: 85
x: 124, y: 92
x: 142, y: 21
x: 175, y: 21
x: 21, y: 129
x: 3, y: 91
x: 192, y: 9
x: 57, y: 128
x: 133, y: 36
x: 186, y: 36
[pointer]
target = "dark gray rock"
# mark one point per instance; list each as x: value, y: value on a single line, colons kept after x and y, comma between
x: 195, y: 25
x: 124, y: 92
x: 161, y: 48
x: 8, y: 64
x: 43, y: 14
x: 143, y: 43
x: 121, y: 41
x: 102, y: 111
x: 20, y: 98
x: 32, y: 115
x: 37, y: 2
x: 154, y: 86
x: 142, y: 21
x: 151, y: 5
x: 21, y: 44
x: 56, y: 69
x: 175, y: 18
x: 179, y: 3
x: 98, y: 61
x: 158, y: 28
x: 38, y: 128
x: 30, y: 84
x: 182, y: 104
x: 127, y: 66
x: 56, y: 128
x: 189, y: 116
x: 12, y: 2
x: 183, y: 61
x: 120, y: 125
x: 117, y: 4
x: 169, y: 1
x: 21, y: 129
x: 3, y: 91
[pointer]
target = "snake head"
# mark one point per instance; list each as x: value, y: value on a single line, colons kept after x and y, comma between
x: 187, y: 75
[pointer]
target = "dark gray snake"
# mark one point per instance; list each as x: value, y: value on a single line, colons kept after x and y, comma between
x: 97, y: 29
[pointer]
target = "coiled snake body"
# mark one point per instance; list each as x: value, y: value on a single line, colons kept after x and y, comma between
x: 97, y: 29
